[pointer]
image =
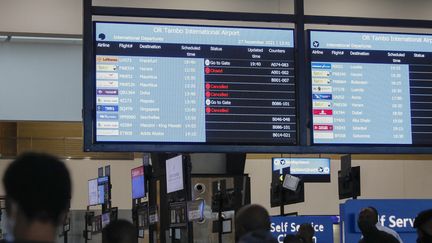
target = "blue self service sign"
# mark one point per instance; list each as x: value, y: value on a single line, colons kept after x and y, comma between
x: 282, y: 226
x: 398, y: 215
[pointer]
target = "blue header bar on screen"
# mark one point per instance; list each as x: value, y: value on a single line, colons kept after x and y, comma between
x: 370, y: 41
x: 199, y: 35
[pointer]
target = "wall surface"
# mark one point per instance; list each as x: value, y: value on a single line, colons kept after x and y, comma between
x: 413, y: 9
x: 65, y: 16
x: 41, y: 16
x: 40, y: 73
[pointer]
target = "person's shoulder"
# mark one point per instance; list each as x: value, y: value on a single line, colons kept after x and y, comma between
x: 388, y: 237
x: 388, y: 230
x: 393, y: 233
x: 258, y: 237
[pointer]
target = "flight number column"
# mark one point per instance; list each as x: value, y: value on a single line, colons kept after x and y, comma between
x: 149, y: 105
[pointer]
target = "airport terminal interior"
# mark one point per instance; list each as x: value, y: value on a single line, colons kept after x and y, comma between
x: 175, y: 114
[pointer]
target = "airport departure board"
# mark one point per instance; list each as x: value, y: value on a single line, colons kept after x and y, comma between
x: 194, y: 84
x: 371, y: 88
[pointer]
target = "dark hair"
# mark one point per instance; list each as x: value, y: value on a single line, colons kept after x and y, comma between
x: 119, y: 231
x: 306, y: 232
x: 292, y: 239
x: 41, y: 186
x: 375, y: 212
x: 422, y: 218
x: 366, y: 221
x: 251, y: 218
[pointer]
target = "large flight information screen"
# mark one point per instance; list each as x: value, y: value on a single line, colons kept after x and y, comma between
x: 194, y: 84
x: 371, y: 88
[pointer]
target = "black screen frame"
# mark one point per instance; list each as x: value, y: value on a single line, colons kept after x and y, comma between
x: 309, y: 178
x: 89, y: 107
x: 309, y: 73
x: 303, y: 103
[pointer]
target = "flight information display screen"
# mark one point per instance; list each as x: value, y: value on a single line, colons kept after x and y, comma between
x: 371, y: 88
x: 194, y: 84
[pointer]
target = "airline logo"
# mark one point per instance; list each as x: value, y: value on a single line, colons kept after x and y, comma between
x: 324, y: 135
x: 322, y: 96
x: 107, y: 75
x: 321, y: 104
x: 323, y: 112
x: 107, y: 108
x: 107, y: 92
x: 282, y: 162
x: 107, y: 132
x: 106, y: 59
x: 107, y: 124
x: 320, y: 73
x: 107, y: 84
x: 322, y: 89
x: 107, y: 100
x: 323, y: 127
x: 323, y: 119
x: 108, y: 116
x: 321, y: 81
x: 101, y: 67
x: 321, y: 65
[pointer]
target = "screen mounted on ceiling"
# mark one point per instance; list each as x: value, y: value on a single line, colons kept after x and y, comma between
x: 371, y: 88
x: 98, y: 191
x: 174, y: 174
x: 308, y: 169
x: 183, y: 84
x: 138, y: 182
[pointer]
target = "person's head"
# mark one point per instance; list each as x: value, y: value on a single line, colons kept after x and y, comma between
x: 251, y: 218
x: 306, y: 232
x: 38, y: 190
x: 292, y: 239
x: 375, y: 211
x: 119, y: 231
x: 423, y: 223
x: 367, y: 220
